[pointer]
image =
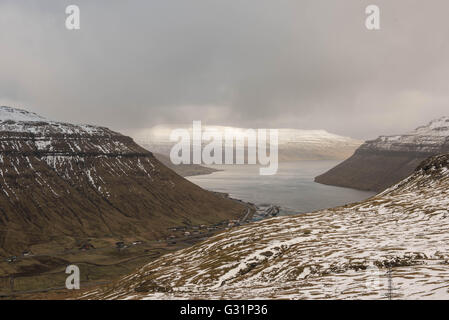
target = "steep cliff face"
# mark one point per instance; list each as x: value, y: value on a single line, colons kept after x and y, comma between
x: 380, y: 163
x: 340, y: 253
x: 62, y: 180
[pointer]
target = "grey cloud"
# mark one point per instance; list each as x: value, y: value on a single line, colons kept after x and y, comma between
x: 257, y: 63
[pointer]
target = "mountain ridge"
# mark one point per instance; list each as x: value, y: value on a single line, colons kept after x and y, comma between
x: 379, y: 163
x: 294, y: 144
x: 65, y: 181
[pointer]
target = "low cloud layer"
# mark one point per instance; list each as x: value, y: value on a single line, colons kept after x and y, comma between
x: 258, y: 63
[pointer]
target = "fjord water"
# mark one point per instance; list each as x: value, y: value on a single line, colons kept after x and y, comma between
x: 292, y: 188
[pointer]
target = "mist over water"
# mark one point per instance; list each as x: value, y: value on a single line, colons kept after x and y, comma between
x: 292, y: 188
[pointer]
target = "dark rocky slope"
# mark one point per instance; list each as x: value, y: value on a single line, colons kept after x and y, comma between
x: 60, y: 182
x: 379, y: 163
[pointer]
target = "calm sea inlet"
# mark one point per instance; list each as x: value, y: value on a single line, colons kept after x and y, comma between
x: 292, y: 188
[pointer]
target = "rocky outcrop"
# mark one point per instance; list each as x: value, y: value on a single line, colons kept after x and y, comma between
x: 60, y: 181
x: 380, y: 163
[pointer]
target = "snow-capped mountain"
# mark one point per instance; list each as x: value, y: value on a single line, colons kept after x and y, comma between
x: 297, y: 144
x: 431, y: 138
x: 396, y: 240
x: 60, y: 180
x: 384, y: 161
x: 18, y: 115
x: 22, y: 121
x: 294, y: 144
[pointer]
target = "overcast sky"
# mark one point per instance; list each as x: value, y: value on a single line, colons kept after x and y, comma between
x: 253, y: 63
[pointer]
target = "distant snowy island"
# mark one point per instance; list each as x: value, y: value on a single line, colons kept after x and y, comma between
x: 294, y: 144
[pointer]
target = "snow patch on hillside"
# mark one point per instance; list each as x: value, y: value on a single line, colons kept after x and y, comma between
x: 19, y: 120
x: 429, y: 138
x: 438, y: 127
x: 15, y: 114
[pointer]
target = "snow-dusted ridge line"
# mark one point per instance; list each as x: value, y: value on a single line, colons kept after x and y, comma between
x: 294, y: 144
x: 427, y: 139
x: 63, y: 146
x: 27, y: 133
x: 16, y: 114
x: 20, y: 120
x: 160, y: 134
x: 437, y: 127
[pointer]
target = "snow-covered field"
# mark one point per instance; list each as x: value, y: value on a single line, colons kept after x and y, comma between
x: 342, y: 253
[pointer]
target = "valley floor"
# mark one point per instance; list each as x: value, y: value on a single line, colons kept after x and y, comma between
x: 42, y: 276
